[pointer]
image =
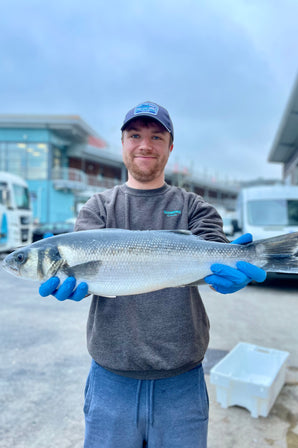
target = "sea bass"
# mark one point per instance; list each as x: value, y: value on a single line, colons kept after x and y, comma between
x: 123, y: 262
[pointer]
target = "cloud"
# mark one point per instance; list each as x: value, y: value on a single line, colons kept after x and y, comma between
x: 220, y: 67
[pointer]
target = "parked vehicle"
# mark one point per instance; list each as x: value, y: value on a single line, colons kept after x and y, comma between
x: 54, y: 228
x: 268, y: 211
x: 15, y: 212
x: 228, y: 226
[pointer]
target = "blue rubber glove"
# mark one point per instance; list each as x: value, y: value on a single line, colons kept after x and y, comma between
x: 227, y: 280
x: 66, y: 291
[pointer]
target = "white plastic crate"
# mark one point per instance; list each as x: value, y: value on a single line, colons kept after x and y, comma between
x: 250, y: 376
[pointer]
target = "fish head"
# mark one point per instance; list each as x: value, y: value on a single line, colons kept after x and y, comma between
x: 37, y: 261
x: 22, y: 262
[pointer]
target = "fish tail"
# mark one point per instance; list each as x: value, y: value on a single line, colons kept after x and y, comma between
x: 279, y: 254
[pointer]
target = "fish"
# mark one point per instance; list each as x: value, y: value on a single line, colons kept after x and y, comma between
x: 118, y: 262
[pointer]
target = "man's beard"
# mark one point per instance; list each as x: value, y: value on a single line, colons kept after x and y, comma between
x: 148, y: 174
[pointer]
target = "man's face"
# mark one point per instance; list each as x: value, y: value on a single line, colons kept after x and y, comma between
x: 146, y: 149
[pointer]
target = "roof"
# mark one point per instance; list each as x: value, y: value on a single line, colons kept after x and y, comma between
x: 10, y: 177
x: 285, y: 143
x: 68, y: 127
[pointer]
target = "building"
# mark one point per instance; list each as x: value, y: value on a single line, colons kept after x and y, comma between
x: 63, y: 160
x: 285, y: 146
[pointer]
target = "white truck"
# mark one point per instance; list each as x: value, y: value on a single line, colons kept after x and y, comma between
x: 16, y: 223
x: 268, y: 211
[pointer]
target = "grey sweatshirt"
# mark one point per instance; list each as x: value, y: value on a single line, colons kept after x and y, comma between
x: 162, y: 333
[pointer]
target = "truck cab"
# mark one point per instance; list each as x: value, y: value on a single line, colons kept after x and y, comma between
x: 15, y: 212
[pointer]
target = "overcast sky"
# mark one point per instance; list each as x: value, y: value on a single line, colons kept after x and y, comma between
x: 223, y: 68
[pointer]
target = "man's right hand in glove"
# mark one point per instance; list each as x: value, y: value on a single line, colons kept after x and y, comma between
x: 67, y: 290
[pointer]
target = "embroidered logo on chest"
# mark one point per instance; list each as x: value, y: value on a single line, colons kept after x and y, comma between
x: 172, y: 213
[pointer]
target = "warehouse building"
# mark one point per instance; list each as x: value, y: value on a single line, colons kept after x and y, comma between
x: 65, y: 161
x: 285, y: 146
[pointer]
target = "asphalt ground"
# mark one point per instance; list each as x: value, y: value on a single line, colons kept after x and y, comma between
x: 44, y: 365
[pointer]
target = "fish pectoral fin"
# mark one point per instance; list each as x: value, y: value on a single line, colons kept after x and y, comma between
x: 86, y: 270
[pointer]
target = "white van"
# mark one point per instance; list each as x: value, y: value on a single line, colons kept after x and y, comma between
x: 268, y: 211
x: 15, y: 212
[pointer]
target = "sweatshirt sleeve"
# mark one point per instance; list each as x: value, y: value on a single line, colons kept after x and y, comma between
x: 92, y: 215
x: 205, y: 221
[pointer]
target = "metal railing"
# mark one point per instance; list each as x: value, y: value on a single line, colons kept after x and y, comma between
x: 74, y: 179
x: 78, y: 181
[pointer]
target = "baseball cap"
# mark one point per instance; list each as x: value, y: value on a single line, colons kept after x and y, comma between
x: 152, y: 110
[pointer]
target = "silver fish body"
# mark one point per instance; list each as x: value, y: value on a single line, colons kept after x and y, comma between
x: 117, y: 262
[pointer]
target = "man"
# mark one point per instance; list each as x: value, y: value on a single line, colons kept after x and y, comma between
x: 146, y: 384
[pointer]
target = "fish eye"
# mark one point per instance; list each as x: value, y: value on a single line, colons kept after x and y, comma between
x: 20, y: 257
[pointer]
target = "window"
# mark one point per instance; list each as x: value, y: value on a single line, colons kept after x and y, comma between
x: 21, y: 195
x: 293, y: 212
x: 28, y: 160
x: 57, y: 157
x: 273, y: 212
x: 3, y: 156
x: 37, y: 161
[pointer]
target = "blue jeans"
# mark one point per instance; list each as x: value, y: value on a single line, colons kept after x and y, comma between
x: 123, y: 412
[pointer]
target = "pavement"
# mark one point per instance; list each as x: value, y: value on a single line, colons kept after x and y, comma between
x: 265, y: 315
x: 44, y: 365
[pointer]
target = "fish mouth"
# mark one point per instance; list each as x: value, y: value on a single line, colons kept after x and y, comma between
x: 10, y: 268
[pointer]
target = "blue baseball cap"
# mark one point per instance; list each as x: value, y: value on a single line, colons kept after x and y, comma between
x: 151, y: 110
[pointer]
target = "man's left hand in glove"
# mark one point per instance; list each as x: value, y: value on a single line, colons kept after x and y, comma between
x: 227, y: 280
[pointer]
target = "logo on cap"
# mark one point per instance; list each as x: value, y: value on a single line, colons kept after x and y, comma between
x: 146, y: 108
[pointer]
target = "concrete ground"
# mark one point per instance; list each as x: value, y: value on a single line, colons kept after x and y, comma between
x: 266, y: 316
x: 44, y: 365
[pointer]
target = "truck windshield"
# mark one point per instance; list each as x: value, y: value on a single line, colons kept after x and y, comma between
x: 21, y: 196
x: 273, y: 212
